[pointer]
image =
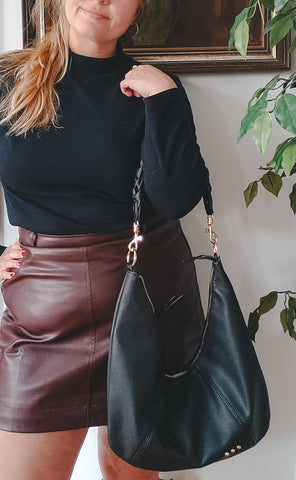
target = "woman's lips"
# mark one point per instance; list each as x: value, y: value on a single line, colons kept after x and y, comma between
x: 96, y: 15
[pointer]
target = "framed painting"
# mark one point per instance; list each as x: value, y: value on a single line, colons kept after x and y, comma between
x: 191, y: 36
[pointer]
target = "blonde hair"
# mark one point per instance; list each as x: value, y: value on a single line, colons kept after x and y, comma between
x: 30, y: 75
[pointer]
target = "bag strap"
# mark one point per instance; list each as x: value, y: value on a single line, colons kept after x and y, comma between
x: 137, y: 193
x: 138, y: 188
x: 208, y: 200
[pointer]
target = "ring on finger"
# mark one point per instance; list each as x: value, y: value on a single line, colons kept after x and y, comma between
x: 131, y: 70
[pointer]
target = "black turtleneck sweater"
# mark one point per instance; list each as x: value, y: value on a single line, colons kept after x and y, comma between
x: 78, y: 178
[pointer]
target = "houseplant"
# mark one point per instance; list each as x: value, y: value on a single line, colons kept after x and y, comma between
x: 274, y: 102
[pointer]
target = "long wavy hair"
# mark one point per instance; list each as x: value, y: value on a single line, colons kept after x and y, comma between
x: 29, y: 76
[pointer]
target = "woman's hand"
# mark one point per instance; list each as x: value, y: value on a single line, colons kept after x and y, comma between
x: 144, y: 81
x: 10, y: 260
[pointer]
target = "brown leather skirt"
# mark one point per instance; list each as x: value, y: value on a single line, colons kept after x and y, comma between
x: 55, y: 331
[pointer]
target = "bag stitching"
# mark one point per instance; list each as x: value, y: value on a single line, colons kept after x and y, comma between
x: 143, y: 445
x: 215, y: 387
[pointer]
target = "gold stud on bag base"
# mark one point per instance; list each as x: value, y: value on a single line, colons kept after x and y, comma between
x: 233, y: 451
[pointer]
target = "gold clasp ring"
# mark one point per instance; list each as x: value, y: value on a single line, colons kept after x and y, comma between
x: 133, y: 245
x: 213, y: 236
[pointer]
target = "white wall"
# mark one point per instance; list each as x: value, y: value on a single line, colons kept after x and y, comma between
x: 256, y: 244
x: 10, y: 26
x: 10, y: 39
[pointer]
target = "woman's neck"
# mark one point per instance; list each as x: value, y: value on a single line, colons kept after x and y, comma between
x: 93, y: 49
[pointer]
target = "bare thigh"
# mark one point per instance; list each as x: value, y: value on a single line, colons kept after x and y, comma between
x: 35, y: 456
x: 113, y: 468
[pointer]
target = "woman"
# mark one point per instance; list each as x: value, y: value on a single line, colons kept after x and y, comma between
x: 76, y: 118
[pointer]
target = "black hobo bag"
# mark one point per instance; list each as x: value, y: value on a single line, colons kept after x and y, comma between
x: 214, y: 410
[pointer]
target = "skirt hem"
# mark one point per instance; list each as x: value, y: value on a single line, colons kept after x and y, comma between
x: 61, y: 421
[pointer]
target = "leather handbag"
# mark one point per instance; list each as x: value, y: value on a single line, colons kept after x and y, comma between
x: 214, y: 410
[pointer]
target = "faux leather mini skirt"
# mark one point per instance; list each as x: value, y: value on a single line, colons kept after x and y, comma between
x: 55, y: 330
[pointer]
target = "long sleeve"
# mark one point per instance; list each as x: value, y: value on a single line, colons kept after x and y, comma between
x: 175, y: 175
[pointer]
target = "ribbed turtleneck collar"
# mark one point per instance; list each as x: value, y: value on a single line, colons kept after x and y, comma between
x: 98, y: 66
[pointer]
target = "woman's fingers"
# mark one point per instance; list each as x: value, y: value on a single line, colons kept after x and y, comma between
x: 145, y: 81
x: 15, y: 250
x: 5, y: 275
x: 12, y: 264
x: 10, y: 260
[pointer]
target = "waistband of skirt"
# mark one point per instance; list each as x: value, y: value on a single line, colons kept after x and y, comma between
x: 35, y: 239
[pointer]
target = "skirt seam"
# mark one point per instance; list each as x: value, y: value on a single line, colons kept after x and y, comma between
x: 92, y: 336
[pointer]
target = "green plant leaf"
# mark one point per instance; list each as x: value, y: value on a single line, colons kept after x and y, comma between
x: 241, y: 38
x: 277, y: 158
x: 291, y: 315
x: 256, y: 95
x: 289, y: 159
x: 272, y: 182
x: 285, y: 112
x: 238, y: 19
x: 278, y: 155
x: 279, y: 4
x: 292, y: 197
x: 262, y: 131
x: 253, y: 112
x: 280, y: 30
x: 292, y: 302
x: 251, y: 192
x: 253, y: 324
x: 268, y: 302
x: 283, y: 319
x: 271, y: 84
x: 287, y: 12
x: 287, y: 317
x: 268, y: 4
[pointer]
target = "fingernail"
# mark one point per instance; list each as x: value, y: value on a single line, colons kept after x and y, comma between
x: 23, y: 253
x: 12, y: 275
x: 19, y: 263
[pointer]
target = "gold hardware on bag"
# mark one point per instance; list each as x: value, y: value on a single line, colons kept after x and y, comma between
x: 213, y: 236
x: 133, y: 245
x: 233, y: 451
